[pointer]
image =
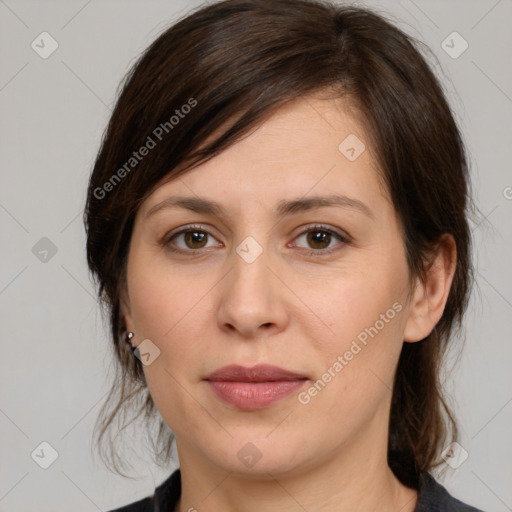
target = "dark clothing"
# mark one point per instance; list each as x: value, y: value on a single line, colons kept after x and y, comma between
x: 432, y: 497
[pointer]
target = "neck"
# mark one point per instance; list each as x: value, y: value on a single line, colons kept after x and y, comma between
x: 341, y: 483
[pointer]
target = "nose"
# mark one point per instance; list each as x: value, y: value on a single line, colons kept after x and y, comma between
x: 253, y: 300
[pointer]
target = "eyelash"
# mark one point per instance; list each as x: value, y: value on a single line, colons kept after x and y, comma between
x: 313, y: 252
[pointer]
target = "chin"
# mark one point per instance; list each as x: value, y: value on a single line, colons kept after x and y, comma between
x: 261, y: 457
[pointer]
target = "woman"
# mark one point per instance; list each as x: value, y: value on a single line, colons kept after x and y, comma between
x: 277, y: 221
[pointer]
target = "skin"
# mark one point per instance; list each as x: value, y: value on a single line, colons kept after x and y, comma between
x: 287, y: 308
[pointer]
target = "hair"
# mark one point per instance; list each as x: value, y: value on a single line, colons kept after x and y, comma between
x: 218, y: 73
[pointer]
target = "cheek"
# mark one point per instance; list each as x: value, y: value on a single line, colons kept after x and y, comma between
x: 366, y: 346
x: 360, y: 304
x: 167, y: 308
x: 365, y: 311
x: 164, y: 296
x: 357, y: 370
x: 171, y: 309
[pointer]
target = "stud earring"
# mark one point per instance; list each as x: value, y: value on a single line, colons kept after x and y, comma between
x: 129, y: 337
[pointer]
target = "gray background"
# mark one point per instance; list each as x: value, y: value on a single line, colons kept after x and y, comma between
x: 55, y: 361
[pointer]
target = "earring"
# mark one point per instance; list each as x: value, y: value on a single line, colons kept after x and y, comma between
x: 129, y: 337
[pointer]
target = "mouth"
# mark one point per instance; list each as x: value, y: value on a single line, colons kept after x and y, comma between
x: 254, y: 388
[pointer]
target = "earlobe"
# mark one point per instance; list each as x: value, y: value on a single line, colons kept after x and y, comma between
x: 430, y: 296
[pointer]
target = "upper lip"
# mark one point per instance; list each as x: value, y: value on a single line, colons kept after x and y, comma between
x: 258, y: 373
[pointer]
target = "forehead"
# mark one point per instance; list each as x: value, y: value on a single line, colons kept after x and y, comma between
x: 311, y: 146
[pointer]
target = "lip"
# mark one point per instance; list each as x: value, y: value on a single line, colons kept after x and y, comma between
x: 258, y: 373
x: 254, y: 388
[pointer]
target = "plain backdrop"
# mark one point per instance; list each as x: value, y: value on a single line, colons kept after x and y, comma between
x: 55, y: 359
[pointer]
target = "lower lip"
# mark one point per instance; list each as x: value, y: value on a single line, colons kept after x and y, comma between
x: 254, y: 395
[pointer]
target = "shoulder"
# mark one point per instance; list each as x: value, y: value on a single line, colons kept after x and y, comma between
x: 165, y: 497
x: 433, y: 497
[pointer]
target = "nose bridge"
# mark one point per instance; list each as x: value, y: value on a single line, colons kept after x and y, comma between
x: 250, y: 298
x: 250, y: 275
x: 250, y: 255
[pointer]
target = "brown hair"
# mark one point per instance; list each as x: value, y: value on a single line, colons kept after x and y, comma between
x: 233, y: 63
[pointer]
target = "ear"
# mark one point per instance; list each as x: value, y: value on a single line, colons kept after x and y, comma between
x: 430, y: 296
x: 125, y: 310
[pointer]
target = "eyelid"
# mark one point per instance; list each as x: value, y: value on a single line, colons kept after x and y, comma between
x: 323, y: 227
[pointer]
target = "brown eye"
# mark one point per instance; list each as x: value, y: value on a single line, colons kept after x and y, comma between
x: 195, y: 239
x: 188, y: 240
x: 320, y: 238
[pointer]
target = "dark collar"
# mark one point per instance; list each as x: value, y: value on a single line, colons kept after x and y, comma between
x: 432, y: 496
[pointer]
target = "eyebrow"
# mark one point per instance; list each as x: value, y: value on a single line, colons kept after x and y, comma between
x: 284, y: 208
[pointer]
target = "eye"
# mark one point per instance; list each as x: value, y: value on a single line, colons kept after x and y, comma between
x: 194, y: 239
x: 320, y: 237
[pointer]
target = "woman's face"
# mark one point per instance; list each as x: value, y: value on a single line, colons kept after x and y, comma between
x: 320, y: 291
